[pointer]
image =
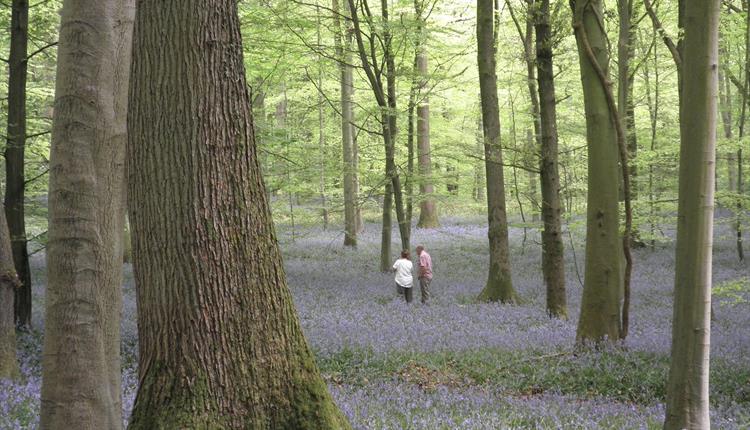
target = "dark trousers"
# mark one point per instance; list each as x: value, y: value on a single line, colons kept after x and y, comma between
x: 408, y: 295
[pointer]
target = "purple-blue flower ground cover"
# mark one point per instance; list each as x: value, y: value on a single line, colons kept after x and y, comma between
x: 363, y: 335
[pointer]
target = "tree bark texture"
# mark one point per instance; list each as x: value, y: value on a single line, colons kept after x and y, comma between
x: 220, y: 342
x: 499, y: 285
x: 625, y: 78
x: 81, y: 358
x: 687, y: 388
x: 15, y: 157
x: 553, y: 263
x: 9, y: 282
x: 342, y: 42
x: 600, y: 307
x: 428, y: 217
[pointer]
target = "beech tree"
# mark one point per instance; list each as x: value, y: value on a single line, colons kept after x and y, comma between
x: 8, y: 284
x: 81, y: 357
x: 687, y: 388
x: 220, y: 342
x: 553, y: 263
x: 15, y: 148
x: 600, y: 306
x: 499, y: 285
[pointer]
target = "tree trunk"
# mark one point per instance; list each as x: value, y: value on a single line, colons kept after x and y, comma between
x: 428, y: 217
x: 553, y: 264
x: 687, y: 389
x: 499, y: 284
x: 321, y: 132
x: 600, y: 307
x: 479, y: 182
x: 625, y: 104
x: 81, y: 359
x: 220, y: 341
x: 343, y: 52
x: 725, y: 98
x: 14, y: 158
x: 8, y: 283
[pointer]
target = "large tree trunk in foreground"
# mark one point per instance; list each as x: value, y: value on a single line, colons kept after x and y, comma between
x: 600, y: 306
x: 553, y: 264
x: 687, y: 389
x: 499, y: 284
x: 220, y: 342
x: 343, y: 52
x: 14, y: 157
x: 8, y: 284
x: 81, y: 359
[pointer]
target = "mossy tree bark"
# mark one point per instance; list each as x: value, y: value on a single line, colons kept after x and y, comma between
x: 499, y: 285
x: 9, y: 282
x: 15, y: 148
x: 687, y: 389
x: 81, y: 358
x: 553, y: 263
x: 600, y: 305
x: 220, y: 342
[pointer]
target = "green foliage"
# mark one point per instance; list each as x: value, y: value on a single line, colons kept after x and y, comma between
x: 733, y: 292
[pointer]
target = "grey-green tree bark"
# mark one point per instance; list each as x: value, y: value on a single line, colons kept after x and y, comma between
x: 499, y: 285
x: 9, y: 282
x: 687, y: 388
x: 600, y: 305
x: 15, y: 148
x: 343, y: 44
x: 428, y: 216
x: 81, y: 357
x: 220, y: 342
x: 553, y: 263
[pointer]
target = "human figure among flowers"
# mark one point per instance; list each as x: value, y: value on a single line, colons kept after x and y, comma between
x: 425, y: 272
x: 404, y: 279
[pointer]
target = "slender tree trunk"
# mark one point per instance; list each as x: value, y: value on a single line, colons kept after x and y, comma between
x: 553, y: 264
x: 687, y: 389
x: 479, y: 181
x: 343, y: 52
x: 600, y: 306
x: 81, y: 359
x: 653, y: 111
x: 428, y: 217
x: 220, y: 342
x: 321, y: 132
x: 743, y: 119
x: 410, y: 137
x: 725, y: 97
x: 8, y: 283
x: 533, y: 141
x: 625, y: 104
x: 499, y: 284
x: 14, y: 157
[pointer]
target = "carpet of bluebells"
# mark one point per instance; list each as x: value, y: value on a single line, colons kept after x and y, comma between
x: 458, y: 364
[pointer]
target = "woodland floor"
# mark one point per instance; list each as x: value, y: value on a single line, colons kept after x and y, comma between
x: 456, y: 364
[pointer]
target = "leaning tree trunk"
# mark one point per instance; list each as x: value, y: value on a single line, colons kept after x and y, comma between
x: 499, y: 284
x: 343, y: 52
x: 600, y: 307
x: 220, y: 342
x: 687, y: 389
x: 81, y: 359
x: 14, y: 157
x: 553, y: 264
x: 8, y: 284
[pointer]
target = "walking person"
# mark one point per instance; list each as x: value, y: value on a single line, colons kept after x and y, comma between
x: 404, y: 278
x: 425, y: 273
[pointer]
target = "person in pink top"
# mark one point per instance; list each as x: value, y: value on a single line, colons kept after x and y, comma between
x: 425, y: 272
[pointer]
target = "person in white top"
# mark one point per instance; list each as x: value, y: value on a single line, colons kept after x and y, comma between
x: 404, y: 279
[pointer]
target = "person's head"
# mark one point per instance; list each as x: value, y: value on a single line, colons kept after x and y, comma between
x: 420, y: 248
x: 404, y: 254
